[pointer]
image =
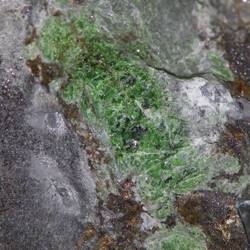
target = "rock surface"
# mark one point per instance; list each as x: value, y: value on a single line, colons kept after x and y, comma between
x: 174, y: 39
x: 205, y: 105
x: 47, y: 192
x: 217, y: 215
x: 48, y: 196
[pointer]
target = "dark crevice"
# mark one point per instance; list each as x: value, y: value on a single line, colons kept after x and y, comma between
x: 169, y: 72
x: 182, y: 77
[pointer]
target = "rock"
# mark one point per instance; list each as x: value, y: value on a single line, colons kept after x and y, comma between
x: 205, y: 105
x: 238, y: 54
x: 47, y: 192
x: 244, y: 212
x: 215, y: 212
x: 231, y: 14
x: 51, y: 119
x: 181, y: 46
x: 173, y: 39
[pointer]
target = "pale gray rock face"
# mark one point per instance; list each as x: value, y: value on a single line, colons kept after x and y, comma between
x: 205, y: 105
x: 172, y: 29
x: 51, y: 120
x: 47, y: 192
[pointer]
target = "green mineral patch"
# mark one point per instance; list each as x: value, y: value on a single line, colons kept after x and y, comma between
x: 182, y: 237
x: 118, y: 95
x: 62, y: 1
x: 219, y: 67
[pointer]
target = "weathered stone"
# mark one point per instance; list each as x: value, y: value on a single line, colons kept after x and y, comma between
x: 216, y: 213
x: 205, y: 105
x: 244, y: 212
x: 47, y: 192
x: 171, y: 30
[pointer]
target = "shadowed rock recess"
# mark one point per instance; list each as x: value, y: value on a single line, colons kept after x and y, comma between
x: 124, y: 124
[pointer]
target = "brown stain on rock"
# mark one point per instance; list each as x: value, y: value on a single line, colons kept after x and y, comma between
x: 124, y: 223
x: 96, y: 153
x: 57, y: 13
x: 106, y: 242
x: 87, y: 235
x: 234, y: 139
x: 215, y: 212
x: 30, y: 38
x: 128, y: 219
x: 124, y: 220
x: 118, y: 204
x: 46, y: 71
x: 239, y: 88
x: 238, y: 56
x: 127, y: 37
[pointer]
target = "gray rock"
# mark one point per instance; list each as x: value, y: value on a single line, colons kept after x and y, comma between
x: 205, y: 105
x: 244, y: 212
x: 179, y: 33
x: 47, y: 192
